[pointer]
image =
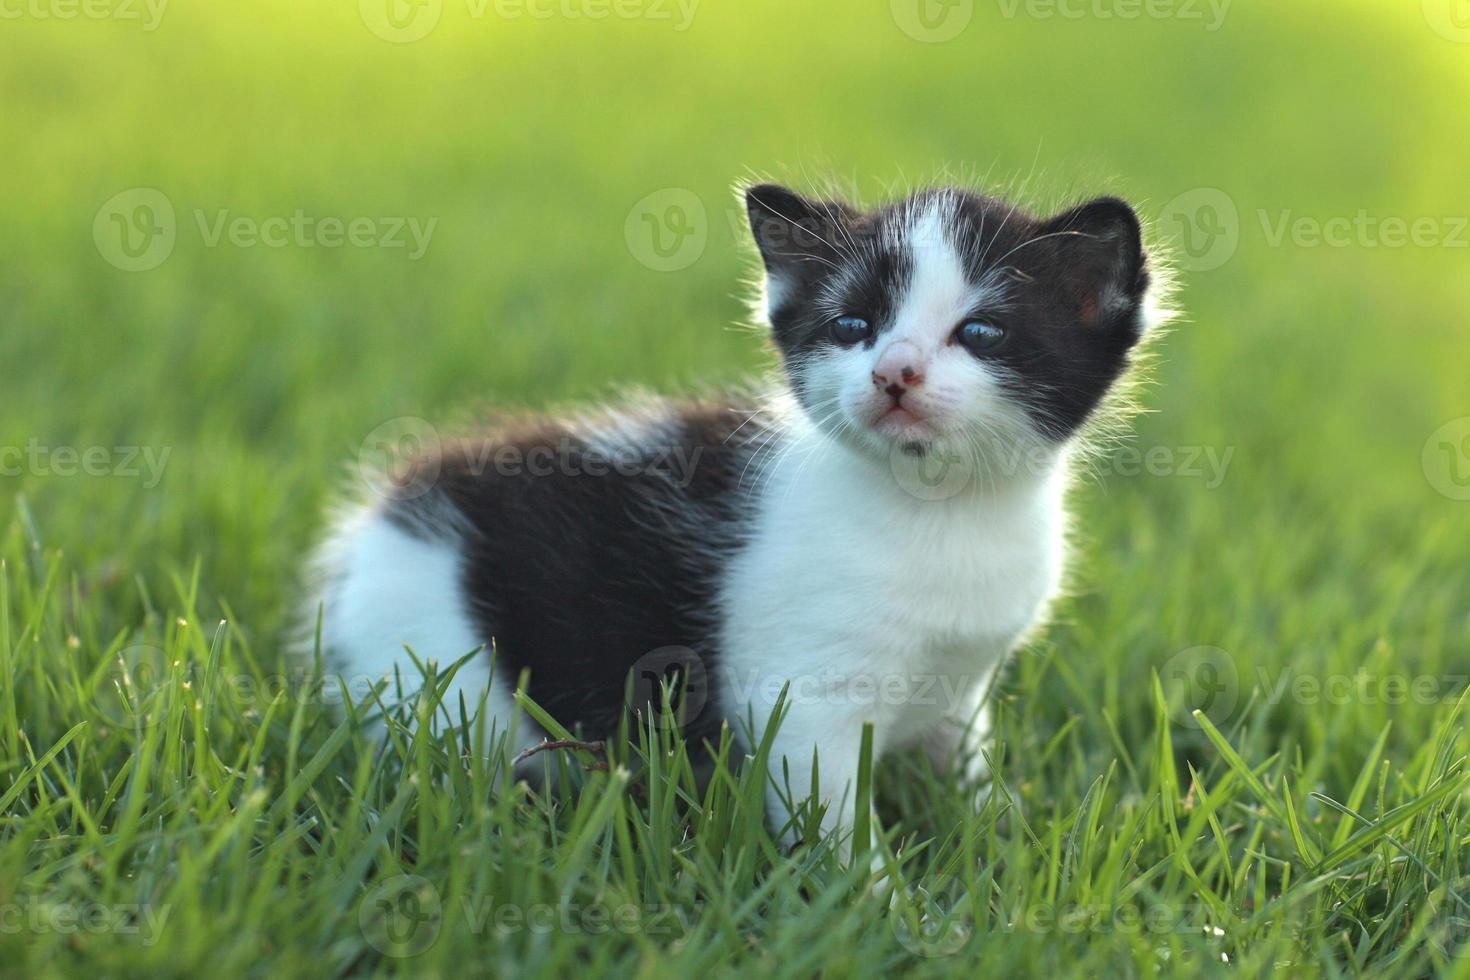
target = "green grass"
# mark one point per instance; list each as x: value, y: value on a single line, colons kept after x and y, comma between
x: 1311, y: 819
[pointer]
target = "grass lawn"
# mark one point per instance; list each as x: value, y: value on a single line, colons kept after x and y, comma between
x: 1283, y: 545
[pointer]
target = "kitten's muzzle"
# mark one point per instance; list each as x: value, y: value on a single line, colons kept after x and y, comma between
x: 899, y: 369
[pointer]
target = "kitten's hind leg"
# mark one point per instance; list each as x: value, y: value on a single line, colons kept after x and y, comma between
x: 386, y: 589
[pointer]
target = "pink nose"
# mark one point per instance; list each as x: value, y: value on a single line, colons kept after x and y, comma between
x: 899, y: 369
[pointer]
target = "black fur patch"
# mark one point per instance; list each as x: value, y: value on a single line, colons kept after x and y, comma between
x: 580, y: 561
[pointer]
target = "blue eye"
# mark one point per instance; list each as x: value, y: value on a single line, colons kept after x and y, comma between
x: 849, y: 330
x: 979, y: 337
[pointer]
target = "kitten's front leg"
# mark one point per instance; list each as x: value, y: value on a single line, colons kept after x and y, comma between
x: 791, y: 767
x: 960, y: 738
x: 834, y: 738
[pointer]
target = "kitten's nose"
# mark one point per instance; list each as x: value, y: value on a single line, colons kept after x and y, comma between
x: 898, y: 369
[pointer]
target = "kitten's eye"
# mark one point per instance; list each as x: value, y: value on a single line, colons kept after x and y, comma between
x: 979, y: 337
x: 849, y: 330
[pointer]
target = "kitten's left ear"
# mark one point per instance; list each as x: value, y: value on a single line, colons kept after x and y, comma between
x: 1103, y: 267
x: 794, y: 233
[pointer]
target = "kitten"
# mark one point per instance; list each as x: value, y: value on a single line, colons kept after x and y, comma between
x: 879, y: 531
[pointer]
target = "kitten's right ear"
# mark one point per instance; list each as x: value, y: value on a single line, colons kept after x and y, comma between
x: 793, y: 233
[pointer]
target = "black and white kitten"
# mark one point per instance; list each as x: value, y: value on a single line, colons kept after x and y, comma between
x: 880, y: 531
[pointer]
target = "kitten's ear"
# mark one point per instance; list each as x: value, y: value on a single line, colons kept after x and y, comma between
x: 1103, y: 268
x: 792, y: 232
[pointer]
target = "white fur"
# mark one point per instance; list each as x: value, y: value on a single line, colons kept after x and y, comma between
x: 777, y: 290
x: 907, y: 607
x: 385, y: 589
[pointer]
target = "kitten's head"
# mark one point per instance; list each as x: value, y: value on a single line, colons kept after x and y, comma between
x: 950, y: 320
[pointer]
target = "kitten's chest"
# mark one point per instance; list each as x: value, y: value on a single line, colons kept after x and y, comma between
x: 876, y: 569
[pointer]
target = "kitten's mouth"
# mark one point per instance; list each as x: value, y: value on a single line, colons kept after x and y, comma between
x: 899, y: 420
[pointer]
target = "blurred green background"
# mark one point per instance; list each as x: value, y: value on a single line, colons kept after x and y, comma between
x: 542, y: 148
